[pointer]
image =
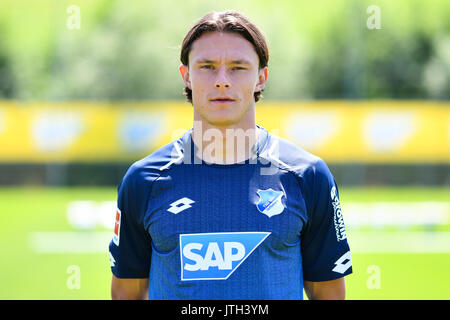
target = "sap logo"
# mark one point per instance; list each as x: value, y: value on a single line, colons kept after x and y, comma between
x: 215, y: 256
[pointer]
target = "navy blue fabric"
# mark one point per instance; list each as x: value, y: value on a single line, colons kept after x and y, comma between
x: 305, y: 241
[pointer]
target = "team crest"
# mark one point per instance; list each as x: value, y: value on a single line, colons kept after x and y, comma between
x: 270, y: 202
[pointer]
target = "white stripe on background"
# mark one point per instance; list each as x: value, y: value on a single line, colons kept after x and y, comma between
x: 86, y: 215
x: 70, y: 242
x: 359, y: 241
x: 398, y: 214
x: 398, y: 242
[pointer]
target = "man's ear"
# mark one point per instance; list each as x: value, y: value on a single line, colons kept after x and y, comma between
x: 262, y: 78
x: 184, y: 70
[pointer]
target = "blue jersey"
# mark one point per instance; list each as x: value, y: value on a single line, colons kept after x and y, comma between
x: 250, y: 230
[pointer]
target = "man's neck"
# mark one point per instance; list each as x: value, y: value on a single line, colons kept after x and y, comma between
x: 224, y: 144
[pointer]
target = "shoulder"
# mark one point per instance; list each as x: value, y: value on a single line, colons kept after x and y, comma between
x: 315, y: 179
x: 146, y: 170
x: 291, y: 157
x: 138, y: 182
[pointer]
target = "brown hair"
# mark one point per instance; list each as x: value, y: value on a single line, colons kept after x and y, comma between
x: 226, y: 21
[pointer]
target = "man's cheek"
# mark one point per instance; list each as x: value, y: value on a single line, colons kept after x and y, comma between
x: 197, y: 94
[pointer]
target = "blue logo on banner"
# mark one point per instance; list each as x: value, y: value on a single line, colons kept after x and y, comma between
x: 215, y: 256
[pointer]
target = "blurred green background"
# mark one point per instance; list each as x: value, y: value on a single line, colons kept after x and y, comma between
x: 321, y: 49
x: 53, y: 239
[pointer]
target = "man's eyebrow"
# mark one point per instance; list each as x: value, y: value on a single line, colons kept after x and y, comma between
x: 238, y: 61
x: 204, y: 61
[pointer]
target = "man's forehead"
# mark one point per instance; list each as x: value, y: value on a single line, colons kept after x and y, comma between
x: 217, y: 46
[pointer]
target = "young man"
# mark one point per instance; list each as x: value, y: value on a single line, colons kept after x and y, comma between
x: 228, y: 211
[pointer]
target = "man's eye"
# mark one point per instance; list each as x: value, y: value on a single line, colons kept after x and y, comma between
x: 206, y: 67
x: 238, y: 68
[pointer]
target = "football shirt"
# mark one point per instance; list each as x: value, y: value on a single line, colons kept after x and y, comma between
x: 250, y: 230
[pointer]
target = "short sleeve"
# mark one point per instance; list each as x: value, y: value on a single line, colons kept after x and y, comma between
x: 130, y: 248
x: 325, y: 250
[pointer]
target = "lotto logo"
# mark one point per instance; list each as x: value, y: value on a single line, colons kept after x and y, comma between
x: 215, y: 256
x: 180, y: 205
x: 343, y: 263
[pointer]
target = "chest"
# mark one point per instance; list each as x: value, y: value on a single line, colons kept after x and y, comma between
x: 199, y: 199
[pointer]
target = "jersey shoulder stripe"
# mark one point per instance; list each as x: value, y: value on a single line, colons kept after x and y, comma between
x: 288, y: 156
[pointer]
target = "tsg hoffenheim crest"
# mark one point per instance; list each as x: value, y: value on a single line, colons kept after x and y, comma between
x: 270, y: 202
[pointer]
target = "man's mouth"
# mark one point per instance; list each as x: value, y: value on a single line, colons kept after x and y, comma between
x: 222, y: 100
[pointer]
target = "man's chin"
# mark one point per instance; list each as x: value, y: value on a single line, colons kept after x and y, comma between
x: 221, y: 119
x: 222, y: 122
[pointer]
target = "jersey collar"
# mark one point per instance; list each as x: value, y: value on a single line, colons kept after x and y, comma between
x: 189, y: 145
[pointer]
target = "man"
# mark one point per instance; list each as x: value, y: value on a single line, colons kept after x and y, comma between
x: 228, y: 211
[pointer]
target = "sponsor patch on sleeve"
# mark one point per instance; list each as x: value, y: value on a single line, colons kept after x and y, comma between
x: 117, y: 227
x: 338, y: 218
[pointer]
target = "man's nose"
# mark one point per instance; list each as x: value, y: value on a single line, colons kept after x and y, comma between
x: 222, y: 80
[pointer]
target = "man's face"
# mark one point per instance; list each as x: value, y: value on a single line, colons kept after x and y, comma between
x: 223, y: 75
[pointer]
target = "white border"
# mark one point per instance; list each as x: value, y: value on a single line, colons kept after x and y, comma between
x: 221, y: 233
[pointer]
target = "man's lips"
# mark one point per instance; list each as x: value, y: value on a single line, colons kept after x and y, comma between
x: 222, y: 100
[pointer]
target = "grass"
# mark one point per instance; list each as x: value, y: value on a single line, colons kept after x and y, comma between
x: 25, y: 274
